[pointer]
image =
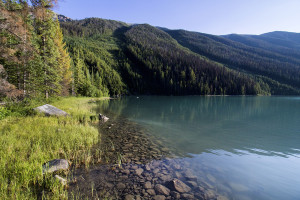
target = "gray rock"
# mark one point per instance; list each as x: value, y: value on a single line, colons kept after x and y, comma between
x: 103, y: 118
x: 159, y: 197
x: 151, y: 192
x: 160, y: 189
x: 61, y: 180
x: 209, y: 194
x: 121, y: 186
x: 148, y: 185
x: 192, y: 183
x: 175, y: 195
x: 179, y: 186
x: 191, y: 178
x: 238, y: 187
x: 221, y: 197
x: 147, y: 167
x: 211, y: 178
x: 55, y: 165
x: 138, y: 197
x: 187, y: 196
x: 139, y: 171
x: 50, y: 110
x: 129, y: 197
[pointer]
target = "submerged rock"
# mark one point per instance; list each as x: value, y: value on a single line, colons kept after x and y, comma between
x: 159, y: 197
x: 179, y: 186
x: 55, y: 165
x: 50, y: 110
x: 151, y: 192
x: 209, y: 194
x: 175, y: 195
x: 129, y: 197
x: 148, y: 185
x: 139, y: 171
x: 160, y: 189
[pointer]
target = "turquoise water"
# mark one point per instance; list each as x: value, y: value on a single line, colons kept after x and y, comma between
x: 244, y: 147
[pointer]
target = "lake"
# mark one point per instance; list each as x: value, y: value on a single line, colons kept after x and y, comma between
x: 242, y: 147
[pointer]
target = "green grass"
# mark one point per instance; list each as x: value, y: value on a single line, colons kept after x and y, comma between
x: 26, y: 143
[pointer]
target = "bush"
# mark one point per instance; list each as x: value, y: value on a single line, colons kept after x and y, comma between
x: 4, y: 112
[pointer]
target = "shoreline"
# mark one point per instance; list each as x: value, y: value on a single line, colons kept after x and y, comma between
x: 136, y: 166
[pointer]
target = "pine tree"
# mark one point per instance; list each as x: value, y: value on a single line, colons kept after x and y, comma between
x: 64, y: 61
x: 45, y: 28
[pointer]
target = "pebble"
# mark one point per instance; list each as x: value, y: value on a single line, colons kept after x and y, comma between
x: 159, y: 197
x: 121, y: 186
x: 175, y: 195
x: 187, y: 196
x: 209, y: 194
x: 148, y: 185
x: 221, y: 197
x: 139, y: 171
x: 129, y: 197
x: 151, y: 192
x: 238, y: 187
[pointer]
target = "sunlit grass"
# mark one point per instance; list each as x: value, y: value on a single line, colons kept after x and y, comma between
x: 26, y: 143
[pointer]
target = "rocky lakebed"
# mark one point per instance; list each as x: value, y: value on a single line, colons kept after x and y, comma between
x: 136, y: 165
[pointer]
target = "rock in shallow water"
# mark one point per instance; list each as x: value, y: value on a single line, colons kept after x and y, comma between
x: 159, y: 197
x: 151, y: 192
x: 175, y: 195
x: 103, y: 118
x: 129, y: 197
x: 148, y: 185
x: 55, y: 165
x: 179, y: 186
x: 160, y: 189
x: 139, y: 171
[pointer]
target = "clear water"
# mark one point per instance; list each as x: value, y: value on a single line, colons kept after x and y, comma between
x: 245, y: 147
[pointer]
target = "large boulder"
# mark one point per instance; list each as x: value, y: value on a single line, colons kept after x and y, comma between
x: 55, y: 165
x: 50, y: 110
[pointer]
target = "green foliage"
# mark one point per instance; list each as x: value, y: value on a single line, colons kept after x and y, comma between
x: 4, y: 112
x: 95, y: 67
x: 33, y: 53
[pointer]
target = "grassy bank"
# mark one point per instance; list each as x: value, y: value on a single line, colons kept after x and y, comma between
x: 28, y: 142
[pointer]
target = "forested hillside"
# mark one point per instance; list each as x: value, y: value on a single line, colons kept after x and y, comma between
x: 150, y: 61
x: 269, y: 59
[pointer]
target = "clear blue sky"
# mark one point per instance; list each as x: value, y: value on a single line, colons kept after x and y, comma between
x: 207, y: 16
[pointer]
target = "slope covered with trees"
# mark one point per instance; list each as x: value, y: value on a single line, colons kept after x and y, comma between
x: 150, y: 61
x: 271, y: 60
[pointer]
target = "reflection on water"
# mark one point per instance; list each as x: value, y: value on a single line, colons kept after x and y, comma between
x: 247, y: 147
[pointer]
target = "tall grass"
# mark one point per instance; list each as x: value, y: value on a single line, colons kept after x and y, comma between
x: 26, y: 143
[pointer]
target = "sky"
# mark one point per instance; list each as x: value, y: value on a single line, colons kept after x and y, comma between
x: 218, y: 17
